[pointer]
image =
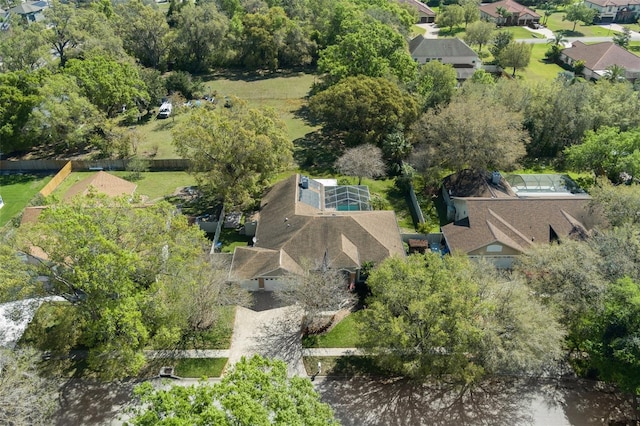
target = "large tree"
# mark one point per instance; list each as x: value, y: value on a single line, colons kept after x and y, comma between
x: 451, y: 16
x: 471, y: 132
x: 256, y: 391
x: 608, y: 152
x: 132, y: 276
x: 22, y: 47
x: 369, y: 49
x: 109, y: 84
x: 26, y: 397
x: 364, y: 109
x: 436, y: 84
x: 235, y: 152
x: 145, y: 33
x: 19, y: 94
x: 480, y: 33
x: 447, y: 318
x: 361, y: 161
x: 515, y: 55
x: 579, y: 12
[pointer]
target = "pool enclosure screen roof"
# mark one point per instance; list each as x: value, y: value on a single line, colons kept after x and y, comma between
x: 547, y: 184
x: 347, y: 197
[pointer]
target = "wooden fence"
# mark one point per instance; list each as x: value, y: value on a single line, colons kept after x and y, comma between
x: 22, y: 166
x: 57, y: 180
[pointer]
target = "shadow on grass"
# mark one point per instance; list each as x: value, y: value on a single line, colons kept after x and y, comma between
x: 317, y: 152
x: 569, y: 33
x: 450, y: 32
x: 14, y: 179
x: 254, y: 75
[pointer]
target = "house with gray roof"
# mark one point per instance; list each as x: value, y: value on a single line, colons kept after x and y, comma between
x: 452, y: 51
x: 598, y: 57
x: 618, y: 11
x: 500, y: 218
x: 30, y: 11
x: 425, y: 14
x: 302, y: 221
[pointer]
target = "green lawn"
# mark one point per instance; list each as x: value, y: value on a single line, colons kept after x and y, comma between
x: 555, y: 23
x: 198, y: 367
x: 538, y: 69
x: 343, y: 335
x: 346, y: 366
x: 153, y: 185
x: 231, y: 238
x: 17, y: 191
x: 216, y: 337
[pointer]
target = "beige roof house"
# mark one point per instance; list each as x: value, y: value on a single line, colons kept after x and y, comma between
x: 599, y: 56
x: 103, y: 183
x: 452, y: 51
x: 425, y: 13
x: 298, y: 224
x: 517, y: 14
x: 621, y: 11
x: 501, y: 218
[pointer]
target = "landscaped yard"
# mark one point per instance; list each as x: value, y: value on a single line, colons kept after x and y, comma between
x: 555, y: 23
x: 344, y: 335
x: 16, y: 192
x: 538, y: 69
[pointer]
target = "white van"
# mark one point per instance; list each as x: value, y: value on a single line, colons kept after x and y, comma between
x: 165, y: 110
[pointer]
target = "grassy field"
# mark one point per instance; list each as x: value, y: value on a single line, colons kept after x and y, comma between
x: 343, y: 335
x: 285, y: 93
x: 152, y: 185
x: 538, y: 69
x: 16, y: 192
x: 555, y: 23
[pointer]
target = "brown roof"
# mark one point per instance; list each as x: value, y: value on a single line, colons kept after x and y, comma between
x: 290, y: 232
x: 605, y: 3
x: 517, y: 222
x: 473, y: 183
x: 511, y: 6
x: 599, y: 56
x: 422, y: 8
x: 103, y: 183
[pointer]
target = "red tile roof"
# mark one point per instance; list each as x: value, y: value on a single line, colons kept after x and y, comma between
x: 511, y: 7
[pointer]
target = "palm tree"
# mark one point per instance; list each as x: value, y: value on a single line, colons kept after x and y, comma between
x: 615, y: 73
x: 504, y: 13
x: 558, y: 39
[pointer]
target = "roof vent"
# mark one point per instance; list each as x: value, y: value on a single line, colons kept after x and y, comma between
x: 495, y: 177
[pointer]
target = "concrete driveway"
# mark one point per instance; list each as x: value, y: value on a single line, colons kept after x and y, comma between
x: 274, y: 333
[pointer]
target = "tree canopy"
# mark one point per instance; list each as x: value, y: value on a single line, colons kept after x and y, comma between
x: 364, y: 109
x: 255, y: 391
x: 446, y: 318
x: 132, y: 276
x: 361, y: 161
x: 234, y: 151
x: 470, y: 132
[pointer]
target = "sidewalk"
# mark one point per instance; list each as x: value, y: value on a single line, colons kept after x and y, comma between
x: 332, y: 352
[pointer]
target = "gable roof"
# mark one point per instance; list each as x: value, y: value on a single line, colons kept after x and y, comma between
x: 605, y: 3
x: 104, y: 183
x: 422, y: 8
x: 439, y: 47
x: 599, y: 56
x: 28, y: 7
x: 517, y: 222
x: 290, y: 232
x: 511, y: 6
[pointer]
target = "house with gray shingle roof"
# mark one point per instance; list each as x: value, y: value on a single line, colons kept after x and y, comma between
x: 599, y: 56
x: 299, y: 223
x: 452, y: 51
x: 620, y: 11
x: 30, y: 11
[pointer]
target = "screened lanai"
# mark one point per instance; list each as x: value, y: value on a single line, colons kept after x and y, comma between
x: 542, y: 184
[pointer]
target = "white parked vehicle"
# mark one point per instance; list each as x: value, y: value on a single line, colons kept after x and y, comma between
x: 165, y: 110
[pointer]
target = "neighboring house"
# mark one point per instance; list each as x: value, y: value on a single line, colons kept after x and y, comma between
x: 620, y: 11
x: 515, y: 14
x: 451, y: 51
x: 599, y: 56
x: 425, y: 14
x: 522, y: 210
x: 302, y: 221
x: 30, y: 11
